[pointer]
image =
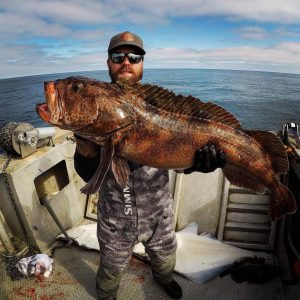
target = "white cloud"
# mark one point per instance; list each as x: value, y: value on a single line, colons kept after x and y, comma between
x: 39, y: 36
x: 45, y: 62
x: 60, y: 18
x: 13, y: 26
x: 284, y: 57
x: 284, y: 32
x: 287, y: 11
x: 253, y: 33
x: 144, y: 11
x: 64, y: 11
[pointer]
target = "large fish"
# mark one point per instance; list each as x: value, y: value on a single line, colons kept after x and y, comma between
x: 152, y: 126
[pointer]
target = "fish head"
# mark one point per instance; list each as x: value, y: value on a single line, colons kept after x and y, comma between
x: 83, y: 105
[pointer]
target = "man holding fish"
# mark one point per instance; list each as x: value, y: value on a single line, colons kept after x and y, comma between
x: 142, y: 211
x: 129, y: 134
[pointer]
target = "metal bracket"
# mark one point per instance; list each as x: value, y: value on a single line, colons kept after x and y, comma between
x: 293, y: 130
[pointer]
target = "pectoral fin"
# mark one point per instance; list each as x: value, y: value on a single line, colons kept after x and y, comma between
x: 120, y: 170
x: 107, y: 152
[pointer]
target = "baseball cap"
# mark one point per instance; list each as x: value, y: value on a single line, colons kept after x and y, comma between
x: 126, y: 38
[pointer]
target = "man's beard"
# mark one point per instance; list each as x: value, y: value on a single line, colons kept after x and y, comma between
x: 135, y: 77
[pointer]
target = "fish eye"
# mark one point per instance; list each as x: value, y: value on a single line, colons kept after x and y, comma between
x: 77, y: 86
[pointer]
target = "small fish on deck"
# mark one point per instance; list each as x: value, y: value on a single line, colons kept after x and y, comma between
x: 152, y: 126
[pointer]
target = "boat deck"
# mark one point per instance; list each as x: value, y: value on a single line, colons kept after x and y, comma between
x: 74, y: 272
x: 73, y: 276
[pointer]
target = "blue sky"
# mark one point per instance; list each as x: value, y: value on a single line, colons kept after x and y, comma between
x: 47, y: 36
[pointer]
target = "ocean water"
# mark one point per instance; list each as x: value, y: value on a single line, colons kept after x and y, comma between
x: 260, y: 100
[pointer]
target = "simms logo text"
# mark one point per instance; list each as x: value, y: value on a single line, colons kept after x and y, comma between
x: 127, y: 200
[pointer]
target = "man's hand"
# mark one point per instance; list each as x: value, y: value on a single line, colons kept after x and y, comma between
x: 207, y: 159
x: 85, y: 147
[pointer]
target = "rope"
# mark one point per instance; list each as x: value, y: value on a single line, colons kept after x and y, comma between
x: 11, y: 260
x: 6, y: 133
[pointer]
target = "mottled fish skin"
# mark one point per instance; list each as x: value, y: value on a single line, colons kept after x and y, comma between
x: 152, y: 126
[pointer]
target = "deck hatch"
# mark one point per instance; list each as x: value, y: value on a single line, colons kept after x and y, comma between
x: 52, y: 181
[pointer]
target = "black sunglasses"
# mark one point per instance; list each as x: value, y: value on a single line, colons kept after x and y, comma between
x: 118, y: 57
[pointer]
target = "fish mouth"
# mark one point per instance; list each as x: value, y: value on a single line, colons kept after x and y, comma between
x: 43, y: 112
x: 49, y: 111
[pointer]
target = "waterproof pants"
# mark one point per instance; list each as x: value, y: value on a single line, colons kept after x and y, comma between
x: 141, y: 212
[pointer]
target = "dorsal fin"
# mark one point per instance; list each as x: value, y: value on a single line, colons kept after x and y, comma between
x: 274, y: 147
x: 186, y: 105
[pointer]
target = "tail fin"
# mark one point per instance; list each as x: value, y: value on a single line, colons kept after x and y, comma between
x: 282, y: 202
